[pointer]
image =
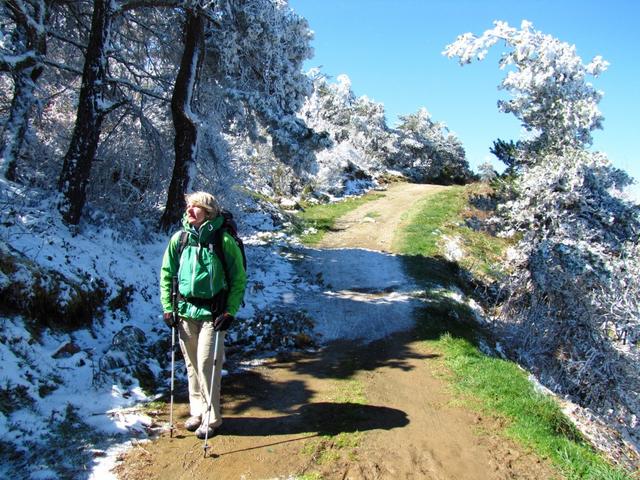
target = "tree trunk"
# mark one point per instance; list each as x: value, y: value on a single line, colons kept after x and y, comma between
x: 31, y: 28
x: 184, y: 119
x: 18, y: 122
x: 92, y: 108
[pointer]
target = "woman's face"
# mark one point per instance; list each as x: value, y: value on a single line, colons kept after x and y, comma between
x: 195, y: 215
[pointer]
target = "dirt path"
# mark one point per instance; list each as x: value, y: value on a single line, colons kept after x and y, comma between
x: 351, y: 410
x: 374, y: 224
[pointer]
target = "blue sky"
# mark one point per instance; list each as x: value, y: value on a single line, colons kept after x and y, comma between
x: 391, y: 50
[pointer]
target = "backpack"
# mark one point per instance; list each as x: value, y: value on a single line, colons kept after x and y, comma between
x: 230, y: 226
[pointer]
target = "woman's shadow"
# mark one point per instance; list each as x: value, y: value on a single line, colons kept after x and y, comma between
x: 313, y: 420
x: 322, y: 418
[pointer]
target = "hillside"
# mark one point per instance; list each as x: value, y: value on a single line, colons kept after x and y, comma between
x: 82, y: 337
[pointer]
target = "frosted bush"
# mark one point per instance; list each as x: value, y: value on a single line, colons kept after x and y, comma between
x: 428, y: 151
x: 364, y: 147
x: 573, y: 312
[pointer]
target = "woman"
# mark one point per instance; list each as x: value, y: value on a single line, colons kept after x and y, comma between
x: 207, y: 302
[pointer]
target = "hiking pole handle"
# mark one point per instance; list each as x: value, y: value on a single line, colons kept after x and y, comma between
x: 174, y: 299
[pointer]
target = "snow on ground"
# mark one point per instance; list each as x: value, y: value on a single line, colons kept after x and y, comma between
x: 347, y: 283
x: 58, y: 387
x: 52, y: 387
x: 68, y: 407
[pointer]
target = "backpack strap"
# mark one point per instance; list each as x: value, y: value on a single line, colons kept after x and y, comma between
x: 219, y: 301
x: 184, y: 239
x: 217, y: 246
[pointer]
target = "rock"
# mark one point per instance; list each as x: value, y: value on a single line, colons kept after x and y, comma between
x: 67, y: 350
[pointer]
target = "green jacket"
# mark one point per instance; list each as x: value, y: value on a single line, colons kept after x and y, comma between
x: 200, y: 272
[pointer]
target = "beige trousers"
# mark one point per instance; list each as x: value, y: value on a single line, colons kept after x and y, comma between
x: 197, y: 342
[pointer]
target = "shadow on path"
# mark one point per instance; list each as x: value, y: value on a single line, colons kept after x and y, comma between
x: 312, y: 420
x: 324, y: 418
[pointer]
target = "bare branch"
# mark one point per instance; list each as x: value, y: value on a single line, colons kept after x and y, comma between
x: 134, y: 4
x: 16, y: 63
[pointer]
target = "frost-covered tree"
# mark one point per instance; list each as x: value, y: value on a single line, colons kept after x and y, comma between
x: 135, y: 154
x: 100, y: 94
x: 573, y: 312
x: 360, y: 141
x: 364, y: 147
x: 429, y: 152
x: 94, y: 104
x: 572, y: 309
x: 487, y: 172
x: 251, y: 84
x: 185, y: 119
x: 23, y: 44
x: 259, y: 53
x: 548, y: 82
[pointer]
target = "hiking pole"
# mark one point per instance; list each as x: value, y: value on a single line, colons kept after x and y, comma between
x: 213, y: 371
x: 174, y: 303
x: 173, y: 363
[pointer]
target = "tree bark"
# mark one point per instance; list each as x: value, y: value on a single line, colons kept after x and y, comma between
x: 18, y: 121
x: 184, y: 119
x: 31, y: 27
x: 92, y: 108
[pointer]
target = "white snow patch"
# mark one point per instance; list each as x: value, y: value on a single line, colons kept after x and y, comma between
x: 348, y: 282
x: 452, y: 248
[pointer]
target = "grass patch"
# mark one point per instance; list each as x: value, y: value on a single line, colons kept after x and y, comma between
x: 331, y: 448
x: 443, y: 215
x: 349, y: 391
x: 310, y: 476
x: 316, y: 220
x: 343, y: 442
x: 154, y: 406
x: 501, y: 388
x: 427, y: 219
